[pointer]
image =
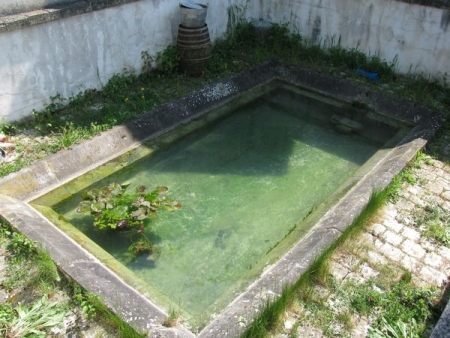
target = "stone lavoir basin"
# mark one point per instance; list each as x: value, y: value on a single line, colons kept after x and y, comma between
x: 270, y: 166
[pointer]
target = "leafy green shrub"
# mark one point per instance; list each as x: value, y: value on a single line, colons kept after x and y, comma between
x: 395, y: 329
x: 403, y: 303
x: 117, y: 86
x: 168, y: 61
x: 435, y: 223
x: 19, y: 245
x: 23, y: 321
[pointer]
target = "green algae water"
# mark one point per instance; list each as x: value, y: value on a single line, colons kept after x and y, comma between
x: 246, y: 183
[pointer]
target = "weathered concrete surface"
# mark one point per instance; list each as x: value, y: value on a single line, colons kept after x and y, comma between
x: 57, y: 169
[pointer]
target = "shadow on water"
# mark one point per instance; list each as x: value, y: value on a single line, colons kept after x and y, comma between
x: 259, y: 139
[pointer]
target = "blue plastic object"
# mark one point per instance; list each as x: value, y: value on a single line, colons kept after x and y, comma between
x: 372, y: 76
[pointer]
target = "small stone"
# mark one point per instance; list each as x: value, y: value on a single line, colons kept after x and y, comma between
x: 356, y: 278
x: 393, y: 225
x: 378, y: 244
x: 361, y: 328
x: 367, y: 271
x: 391, y: 252
x: 444, y: 252
x: 446, y: 195
x: 432, y: 276
x: 427, y: 245
x: 407, y: 221
x: 390, y: 210
x: 338, y: 271
x: 417, y: 201
x: 433, y: 260
x: 392, y: 238
x: 413, y: 249
x: 376, y: 258
x: 343, y: 129
x: 415, y: 190
x: 434, y: 187
x: 5, y: 146
x: 289, y: 324
x: 411, y: 234
x: 3, y: 296
x: 409, y: 263
x: 403, y: 204
x: 377, y: 229
x: 367, y: 238
x: 446, y: 206
x: 435, y: 199
x: 444, y: 183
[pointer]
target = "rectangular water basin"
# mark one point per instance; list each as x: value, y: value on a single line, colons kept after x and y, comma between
x: 267, y: 179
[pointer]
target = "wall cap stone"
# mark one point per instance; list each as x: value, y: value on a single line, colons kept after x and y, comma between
x: 18, y: 21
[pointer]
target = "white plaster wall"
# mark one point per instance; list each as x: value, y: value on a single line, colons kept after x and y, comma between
x: 84, y: 51
x: 419, y: 36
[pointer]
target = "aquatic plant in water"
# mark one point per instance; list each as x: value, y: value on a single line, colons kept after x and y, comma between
x: 113, y: 208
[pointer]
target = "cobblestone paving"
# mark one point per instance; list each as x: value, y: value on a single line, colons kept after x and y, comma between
x: 394, y: 238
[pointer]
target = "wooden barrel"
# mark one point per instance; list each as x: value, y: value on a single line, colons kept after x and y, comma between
x: 194, y: 47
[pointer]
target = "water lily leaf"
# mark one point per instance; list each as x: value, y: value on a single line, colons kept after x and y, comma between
x: 115, y: 189
x: 172, y: 206
x: 161, y: 189
x: 105, y: 192
x: 84, y: 207
x: 141, y: 189
x: 146, y: 204
x: 103, y: 200
x: 138, y: 201
x: 139, y: 214
x: 91, y: 194
x: 97, y: 206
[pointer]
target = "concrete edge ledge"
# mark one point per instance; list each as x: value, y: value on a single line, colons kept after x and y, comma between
x: 52, y: 13
x: 234, y: 319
